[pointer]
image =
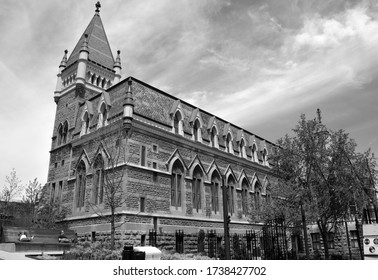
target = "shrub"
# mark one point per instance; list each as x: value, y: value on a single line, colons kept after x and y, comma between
x: 93, y: 251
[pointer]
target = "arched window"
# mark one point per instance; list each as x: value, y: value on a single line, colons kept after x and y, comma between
x: 177, y: 123
x: 98, y: 81
x: 254, y: 153
x: 243, y: 153
x: 85, y: 124
x: 64, y: 132
x: 60, y: 132
x: 98, y: 181
x: 81, y: 180
x: 177, y: 181
x: 230, y: 196
x: 245, y: 197
x: 257, y: 195
x: 265, y: 157
x: 229, y: 146
x: 102, y: 116
x: 197, y: 135
x: 215, y: 184
x: 197, y: 188
x: 93, y: 79
x: 214, y: 137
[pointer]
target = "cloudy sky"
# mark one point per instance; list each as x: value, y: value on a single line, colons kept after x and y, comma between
x: 258, y: 64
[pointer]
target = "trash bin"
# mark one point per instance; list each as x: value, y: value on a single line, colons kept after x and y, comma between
x: 128, y: 253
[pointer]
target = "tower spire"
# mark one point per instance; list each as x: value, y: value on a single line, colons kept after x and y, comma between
x: 117, y: 68
x: 59, y: 82
x: 82, y: 67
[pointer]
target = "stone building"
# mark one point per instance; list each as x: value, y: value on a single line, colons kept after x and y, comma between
x: 174, y: 155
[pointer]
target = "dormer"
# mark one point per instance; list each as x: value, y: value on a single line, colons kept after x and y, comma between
x: 177, y: 117
x: 196, y: 123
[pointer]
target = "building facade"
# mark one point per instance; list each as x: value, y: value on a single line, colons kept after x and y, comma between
x: 174, y: 155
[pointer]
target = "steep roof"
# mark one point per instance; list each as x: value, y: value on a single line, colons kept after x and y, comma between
x: 98, y: 44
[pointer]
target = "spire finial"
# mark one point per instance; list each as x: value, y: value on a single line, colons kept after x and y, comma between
x: 98, y: 6
x: 319, y: 113
x: 64, y: 59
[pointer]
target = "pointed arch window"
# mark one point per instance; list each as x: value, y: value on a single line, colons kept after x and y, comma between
x: 229, y: 146
x: 85, y: 124
x: 60, y: 132
x: 245, y: 197
x: 243, y: 153
x: 257, y: 195
x: 178, y: 124
x: 64, y: 132
x: 177, y: 181
x: 98, y: 181
x: 265, y: 157
x: 214, y: 137
x: 81, y: 180
x: 197, y: 188
x: 230, y: 196
x: 215, y: 183
x: 254, y: 153
x: 102, y: 116
x: 197, y: 133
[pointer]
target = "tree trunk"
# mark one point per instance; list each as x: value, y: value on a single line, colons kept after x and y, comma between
x: 324, y: 233
x: 112, y: 230
x: 304, y: 225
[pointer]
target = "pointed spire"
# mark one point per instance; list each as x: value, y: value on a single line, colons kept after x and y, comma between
x: 128, y: 106
x: 63, y: 63
x: 117, y: 68
x: 118, y: 60
x: 97, y: 43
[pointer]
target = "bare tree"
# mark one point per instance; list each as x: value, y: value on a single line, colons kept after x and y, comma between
x: 109, y: 194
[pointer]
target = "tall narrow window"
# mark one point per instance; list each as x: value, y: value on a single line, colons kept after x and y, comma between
x: 229, y: 146
x: 102, y: 116
x: 315, y: 241
x: 245, y: 197
x: 176, y: 183
x: 265, y: 157
x: 230, y: 196
x: 214, y: 137
x: 257, y: 195
x: 196, y: 189
x: 65, y: 132
x: 60, y: 132
x: 85, y: 124
x: 177, y: 123
x: 142, y: 204
x: 98, y: 181
x: 143, y: 156
x: 197, y: 131
x: 80, y: 184
x: 243, y: 153
x: 60, y: 192
x: 215, y: 182
x: 254, y: 153
x: 52, y: 194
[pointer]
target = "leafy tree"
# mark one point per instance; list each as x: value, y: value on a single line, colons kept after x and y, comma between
x: 32, y: 196
x: 318, y: 171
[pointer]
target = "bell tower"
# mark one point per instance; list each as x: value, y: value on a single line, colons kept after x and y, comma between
x: 91, y: 67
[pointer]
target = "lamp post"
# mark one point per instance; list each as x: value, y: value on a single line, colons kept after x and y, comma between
x: 226, y: 220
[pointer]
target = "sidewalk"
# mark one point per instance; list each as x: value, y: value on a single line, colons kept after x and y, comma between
x: 23, y: 255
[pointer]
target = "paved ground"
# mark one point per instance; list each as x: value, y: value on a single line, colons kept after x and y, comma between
x: 23, y: 255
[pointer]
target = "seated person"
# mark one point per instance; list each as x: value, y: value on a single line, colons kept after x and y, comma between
x: 63, y: 238
x: 23, y: 237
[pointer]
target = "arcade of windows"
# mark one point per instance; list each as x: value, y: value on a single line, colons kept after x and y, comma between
x: 177, y: 128
x: 198, y: 193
